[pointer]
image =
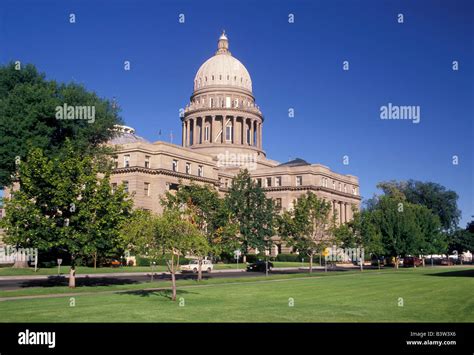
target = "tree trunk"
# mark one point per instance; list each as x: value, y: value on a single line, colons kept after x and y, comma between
x: 95, y: 260
x: 396, y: 262
x: 244, y: 259
x: 199, y: 269
x: 20, y: 264
x: 173, y: 279
x: 72, y: 277
x: 311, y: 263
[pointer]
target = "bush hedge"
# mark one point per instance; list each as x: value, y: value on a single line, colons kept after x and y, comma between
x: 289, y: 257
x: 144, y: 261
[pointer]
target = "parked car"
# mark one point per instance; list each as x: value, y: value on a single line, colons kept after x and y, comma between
x: 193, y: 266
x: 411, y: 261
x: 378, y: 261
x: 260, y: 266
x: 448, y: 262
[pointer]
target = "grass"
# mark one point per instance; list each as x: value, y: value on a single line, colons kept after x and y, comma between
x: 427, y: 294
x: 8, y: 271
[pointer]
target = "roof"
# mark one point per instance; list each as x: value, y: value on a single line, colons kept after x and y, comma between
x: 127, y: 137
x: 295, y: 162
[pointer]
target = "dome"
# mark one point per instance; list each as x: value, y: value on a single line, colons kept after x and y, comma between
x: 223, y: 70
x: 126, y: 135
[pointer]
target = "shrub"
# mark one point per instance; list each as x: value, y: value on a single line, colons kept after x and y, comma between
x: 144, y: 261
x: 288, y: 257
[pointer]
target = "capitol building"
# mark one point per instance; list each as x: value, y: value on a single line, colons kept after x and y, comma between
x: 222, y: 132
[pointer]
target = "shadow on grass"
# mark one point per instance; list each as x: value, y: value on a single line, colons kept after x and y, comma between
x: 457, y: 273
x: 158, y: 293
x: 54, y: 281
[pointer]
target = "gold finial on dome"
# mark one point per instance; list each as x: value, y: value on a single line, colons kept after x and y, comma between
x: 223, y: 44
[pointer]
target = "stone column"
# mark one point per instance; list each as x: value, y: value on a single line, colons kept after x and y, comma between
x: 232, y: 121
x: 237, y: 130
x: 260, y: 135
x: 251, y: 132
x: 213, y: 129
x: 183, y: 134
x: 188, y: 132
x: 223, y: 129
x: 201, y: 131
x: 341, y: 221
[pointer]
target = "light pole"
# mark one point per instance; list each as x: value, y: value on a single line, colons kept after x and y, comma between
x: 59, y: 266
x: 153, y: 264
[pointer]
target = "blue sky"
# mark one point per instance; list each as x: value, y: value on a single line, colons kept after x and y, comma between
x: 296, y: 65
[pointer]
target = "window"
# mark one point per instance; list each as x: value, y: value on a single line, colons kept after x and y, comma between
x: 269, y: 182
x: 126, y: 161
x: 236, y: 103
x: 188, y: 168
x: 228, y: 133
x: 299, y: 180
x: 146, y: 188
x: 147, y: 161
x: 278, y: 181
x: 354, y: 190
x: 259, y: 182
x: 227, y: 102
x: 116, y: 162
x: 114, y: 187
x: 206, y: 133
x: 333, y: 184
x: 278, y: 204
x: 248, y: 135
x: 340, y: 187
x: 200, y: 171
x: 175, y: 165
x: 125, y: 186
x: 345, y: 188
x: 211, y: 102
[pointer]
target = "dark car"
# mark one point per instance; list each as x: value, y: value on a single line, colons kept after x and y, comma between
x: 259, y: 266
x: 411, y: 261
x: 380, y: 261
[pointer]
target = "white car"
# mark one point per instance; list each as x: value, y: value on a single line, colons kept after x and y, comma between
x: 193, y: 266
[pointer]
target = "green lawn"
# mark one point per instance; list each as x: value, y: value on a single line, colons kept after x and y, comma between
x: 428, y: 295
x: 8, y: 271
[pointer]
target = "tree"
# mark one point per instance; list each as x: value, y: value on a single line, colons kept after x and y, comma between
x: 253, y: 212
x: 405, y: 228
x: 28, y: 120
x: 360, y: 232
x: 441, y: 201
x: 308, y: 226
x: 462, y: 240
x: 167, y: 235
x: 64, y: 203
x: 201, y: 205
